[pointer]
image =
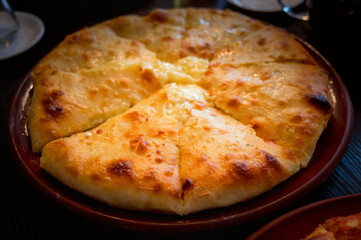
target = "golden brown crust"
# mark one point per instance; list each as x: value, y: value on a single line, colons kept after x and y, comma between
x: 141, y: 135
x: 286, y: 103
x: 226, y: 162
x: 65, y: 103
x: 118, y: 162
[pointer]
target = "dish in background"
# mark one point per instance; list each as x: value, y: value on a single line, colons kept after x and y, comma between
x: 299, y: 223
x: 329, y: 151
x: 30, y: 32
x: 264, y: 5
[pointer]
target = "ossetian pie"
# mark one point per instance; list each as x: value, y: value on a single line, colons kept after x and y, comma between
x: 177, y: 111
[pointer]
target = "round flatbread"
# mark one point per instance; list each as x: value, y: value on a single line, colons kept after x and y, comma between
x: 177, y: 111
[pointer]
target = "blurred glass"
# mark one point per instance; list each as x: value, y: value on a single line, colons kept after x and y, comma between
x: 300, y: 12
x: 9, y: 24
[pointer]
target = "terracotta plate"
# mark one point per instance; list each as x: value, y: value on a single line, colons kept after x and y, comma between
x: 301, y: 222
x: 329, y: 151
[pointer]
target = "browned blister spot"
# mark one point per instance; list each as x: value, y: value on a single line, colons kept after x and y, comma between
x: 52, y: 104
x: 211, y: 68
x: 256, y: 126
x: 91, y: 55
x: 148, y: 76
x: 159, y: 15
x: 99, y: 131
x: 168, y: 38
x: 204, y: 50
x: 186, y: 186
x: 261, y: 41
x: 159, y: 159
x: 120, y: 168
x: 161, y: 133
x: 319, y: 101
x: 46, y: 70
x: 171, y: 133
x: 143, y: 146
x: 266, y: 76
x: 271, y: 161
x: 135, y: 116
x: 139, y: 144
x: 203, y: 158
x: 135, y: 44
x: 207, y: 128
x: 123, y: 82
x: 150, y: 175
x: 229, y: 156
x: 235, y: 102
x: 241, y: 169
x: 95, y: 177
x: 134, y: 142
x: 284, y: 45
x: 83, y: 36
x: 168, y: 173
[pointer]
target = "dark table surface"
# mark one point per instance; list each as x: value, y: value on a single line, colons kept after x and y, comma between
x: 25, y: 213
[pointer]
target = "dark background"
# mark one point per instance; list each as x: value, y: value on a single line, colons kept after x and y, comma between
x: 25, y: 213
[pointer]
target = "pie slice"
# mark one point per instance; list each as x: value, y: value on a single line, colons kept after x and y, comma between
x: 267, y: 44
x: 209, y: 32
x: 223, y: 161
x: 288, y: 104
x: 132, y: 160
x: 90, y: 48
x: 67, y: 102
x: 161, y: 31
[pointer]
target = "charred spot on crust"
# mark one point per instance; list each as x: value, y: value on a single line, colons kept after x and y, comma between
x: 159, y: 159
x: 256, y: 126
x: 52, y: 104
x: 187, y: 185
x: 139, y: 144
x: 271, y: 160
x: 241, y: 168
x: 120, y: 168
x: 319, y: 101
x: 234, y: 102
x: 143, y: 146
x: 159, y: 16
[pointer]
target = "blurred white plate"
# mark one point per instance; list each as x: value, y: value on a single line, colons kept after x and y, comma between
x: 263, y: 5
x: 30, y: 32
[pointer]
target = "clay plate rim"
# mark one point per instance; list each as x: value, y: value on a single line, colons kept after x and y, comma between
x: 300, y: 222
x: 329, y: 151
